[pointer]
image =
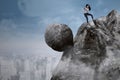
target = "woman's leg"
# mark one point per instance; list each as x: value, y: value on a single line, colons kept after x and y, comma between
x: 85, y: 14
x: 90, y: 15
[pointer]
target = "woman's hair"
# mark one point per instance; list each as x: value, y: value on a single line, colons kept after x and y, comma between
x: 88, y: 6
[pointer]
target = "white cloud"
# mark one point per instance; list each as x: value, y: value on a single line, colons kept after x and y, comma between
x: 7, y: 25
x: 7, y: 29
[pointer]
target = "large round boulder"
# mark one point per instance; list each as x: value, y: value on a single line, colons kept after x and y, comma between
x: 59, y: 36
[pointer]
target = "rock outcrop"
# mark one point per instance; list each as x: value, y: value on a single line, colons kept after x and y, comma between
x: 94, y: 54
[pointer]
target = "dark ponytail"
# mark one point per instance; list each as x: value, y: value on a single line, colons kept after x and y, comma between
x: 88, y: 6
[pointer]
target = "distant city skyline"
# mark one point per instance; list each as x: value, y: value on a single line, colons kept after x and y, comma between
x: 32, y: 68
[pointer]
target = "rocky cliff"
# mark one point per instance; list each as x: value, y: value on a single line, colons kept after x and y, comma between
x: 94, y: 53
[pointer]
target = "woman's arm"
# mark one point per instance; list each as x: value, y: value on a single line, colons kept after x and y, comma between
x: 86, y: 10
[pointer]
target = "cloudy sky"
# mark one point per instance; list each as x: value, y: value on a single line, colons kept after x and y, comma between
x: 23, y: 22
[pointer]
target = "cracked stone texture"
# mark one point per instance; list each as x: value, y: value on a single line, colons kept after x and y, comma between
x: 94, y: 53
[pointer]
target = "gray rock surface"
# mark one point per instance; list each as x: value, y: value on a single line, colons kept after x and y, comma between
x: 95, y: 54
x: 59, y: 36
